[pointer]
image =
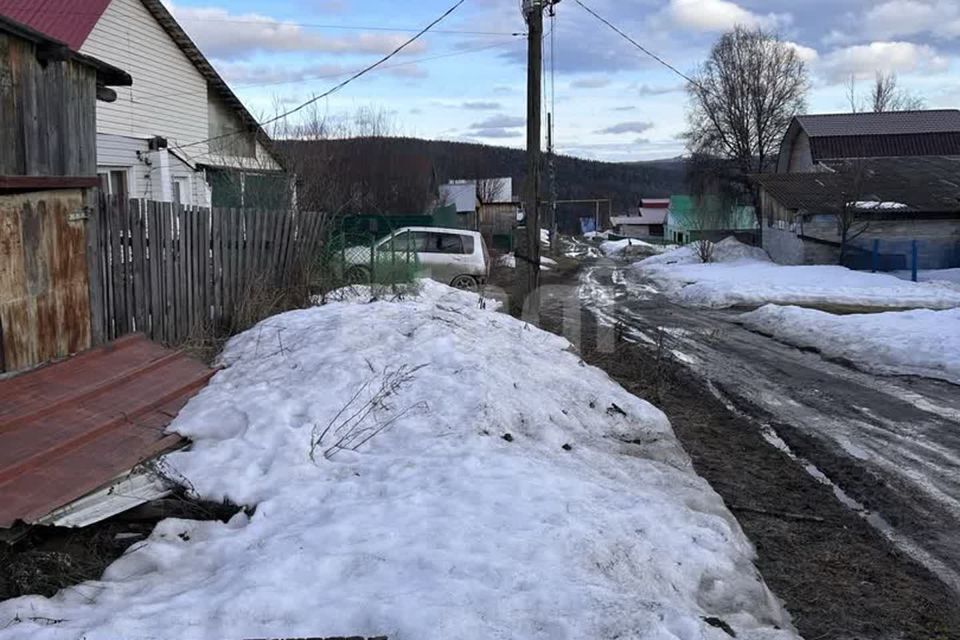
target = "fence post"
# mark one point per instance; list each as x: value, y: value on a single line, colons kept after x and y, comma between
x: 913, y: 251
x: 876, y: 254
x: 95, y: 262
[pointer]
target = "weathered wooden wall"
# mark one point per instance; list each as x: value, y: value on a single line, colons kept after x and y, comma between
x: 44, y: 298
x: 48, y: 119
x: 165, y: 270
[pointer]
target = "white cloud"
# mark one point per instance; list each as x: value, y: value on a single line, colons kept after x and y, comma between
x: 718, y: 15
x: 221, y: 34
x: 496, y: 133
x: 645, y: 90
x: 863, y: 61
x: 807, y: 54
x: 591, y: 82
x: 628, y: 127
x: 500, y: 122
x: 911, y: 17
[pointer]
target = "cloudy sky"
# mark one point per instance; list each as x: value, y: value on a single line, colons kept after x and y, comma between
x: 466, y: 79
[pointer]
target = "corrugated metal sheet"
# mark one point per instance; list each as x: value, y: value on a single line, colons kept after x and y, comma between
x: 881, y: 124
x: 925, y: 184
x: 69, y: 21
x: 879, y: 146
x: 71, y: 428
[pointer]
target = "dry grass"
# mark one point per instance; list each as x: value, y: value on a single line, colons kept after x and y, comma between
x: 259, y: 299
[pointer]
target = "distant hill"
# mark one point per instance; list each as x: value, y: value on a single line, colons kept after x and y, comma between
x: 428, y: 163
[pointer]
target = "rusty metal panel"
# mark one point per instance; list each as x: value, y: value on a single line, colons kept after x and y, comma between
x: 70, y: 428
x: 44, y: 291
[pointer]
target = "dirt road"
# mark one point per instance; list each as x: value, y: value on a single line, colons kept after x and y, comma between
x: 848, y: 483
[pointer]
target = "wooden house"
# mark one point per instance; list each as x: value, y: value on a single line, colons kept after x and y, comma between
x: 179, y: 133
x: 48, y: 167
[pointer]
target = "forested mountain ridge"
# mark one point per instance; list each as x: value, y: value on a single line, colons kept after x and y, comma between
x: 402, y: 168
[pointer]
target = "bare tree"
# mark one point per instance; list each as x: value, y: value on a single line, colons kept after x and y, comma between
x: 490, y: 189
x: 849, y: 213
x: 885, y: 95
x: 743, y: 99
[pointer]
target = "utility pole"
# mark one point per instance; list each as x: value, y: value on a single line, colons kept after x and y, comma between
x: 529, y: 255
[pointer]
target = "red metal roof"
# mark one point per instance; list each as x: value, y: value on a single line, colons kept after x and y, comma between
x: 69, y: 21
x: 69, y: 428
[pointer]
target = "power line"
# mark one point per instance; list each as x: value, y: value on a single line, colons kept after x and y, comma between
x: 342, y: 84
x: 638, y: 45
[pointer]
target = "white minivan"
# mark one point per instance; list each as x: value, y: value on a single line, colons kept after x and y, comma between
x: 456, y: 257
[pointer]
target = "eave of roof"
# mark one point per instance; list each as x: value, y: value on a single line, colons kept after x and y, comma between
x: 52, y: 48
x: 926, y: 184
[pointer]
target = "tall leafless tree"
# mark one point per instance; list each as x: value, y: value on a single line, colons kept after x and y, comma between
x: 885, y: 95
x: 490, y: 189
x: 852, y: 221
x: 742, y: 100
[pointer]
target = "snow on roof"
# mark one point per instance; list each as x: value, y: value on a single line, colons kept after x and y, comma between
x: 874, y: 204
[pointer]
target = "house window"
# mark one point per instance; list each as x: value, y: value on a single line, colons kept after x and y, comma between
x: 181, y: 191
x: 114, y: 183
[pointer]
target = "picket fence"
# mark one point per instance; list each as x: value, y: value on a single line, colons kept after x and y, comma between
x: 165, y: 270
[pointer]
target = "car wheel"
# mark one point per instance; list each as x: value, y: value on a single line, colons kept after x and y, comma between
x: 467, y: 283
x: 357, y: 275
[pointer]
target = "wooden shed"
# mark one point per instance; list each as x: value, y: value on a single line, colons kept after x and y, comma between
x: 48, y: 113
x: 48, y: 166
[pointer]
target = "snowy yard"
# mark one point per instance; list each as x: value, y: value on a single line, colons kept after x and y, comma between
x: 920, y: 342
x: 745, y: 276
x: 514, y: 492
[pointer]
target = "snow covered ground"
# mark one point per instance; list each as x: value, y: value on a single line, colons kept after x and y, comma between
x: 931, y: 275
x: 743, y: 275
x: 920, y: 342
x: 515, y: 492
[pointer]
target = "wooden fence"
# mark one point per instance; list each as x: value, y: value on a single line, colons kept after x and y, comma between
x: 164, y: 269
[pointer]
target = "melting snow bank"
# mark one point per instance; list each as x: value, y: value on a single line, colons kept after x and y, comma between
x: 923, y: 342
x: 588, y: 521
x: 743, y: 275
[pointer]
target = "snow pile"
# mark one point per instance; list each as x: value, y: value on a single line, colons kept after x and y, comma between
x: 628, y: 246
x: 509, y: 260
x: 744, y: 275
x: 922, y: 342
x: 727, y: 250
x: 876, y: 204
x: 515, y: 493
x: 594, y: 235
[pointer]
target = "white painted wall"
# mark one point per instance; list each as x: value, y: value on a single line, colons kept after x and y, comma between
x: 168, y: 97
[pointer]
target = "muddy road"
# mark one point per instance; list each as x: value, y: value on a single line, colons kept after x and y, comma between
x: 848, y: 483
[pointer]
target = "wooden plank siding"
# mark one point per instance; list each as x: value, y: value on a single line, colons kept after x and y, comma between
x: 44, y: 289
x: 169, y: 270
x: 49, y: 114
